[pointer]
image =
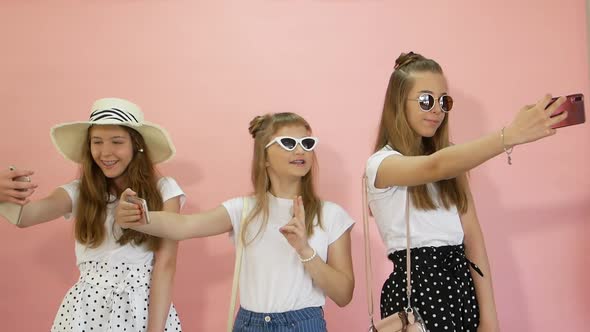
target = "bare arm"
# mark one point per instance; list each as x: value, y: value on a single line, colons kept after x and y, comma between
x: 530, y: 124
x: 170, y: 225
x: 163, y: 277
x: 475, y: 250
x: 335, y: 276
x: 56, y: 205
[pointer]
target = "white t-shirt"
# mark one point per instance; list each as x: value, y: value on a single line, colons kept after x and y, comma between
x: 435, y: 228
x: 273, y: 278
x: 109, y: 249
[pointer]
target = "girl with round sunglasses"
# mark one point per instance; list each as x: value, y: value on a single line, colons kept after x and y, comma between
x: 296, y: 246
x: 414, y: 160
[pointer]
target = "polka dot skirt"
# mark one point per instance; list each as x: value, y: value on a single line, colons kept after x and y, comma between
x: 109, y: 297
x: 442, y: 288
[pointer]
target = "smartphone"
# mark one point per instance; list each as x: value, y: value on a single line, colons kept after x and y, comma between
x: 145, y: 216
x: 574, y: 105
x: 20, y: 178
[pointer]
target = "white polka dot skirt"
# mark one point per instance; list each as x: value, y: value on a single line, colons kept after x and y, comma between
x: 442, y: 288
x: 109, y: 297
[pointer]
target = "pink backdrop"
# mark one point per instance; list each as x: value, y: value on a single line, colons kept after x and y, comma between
x: 203, y: 69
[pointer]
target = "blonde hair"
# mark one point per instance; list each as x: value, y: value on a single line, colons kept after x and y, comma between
x: 395, y: 130
x: 262, y: 128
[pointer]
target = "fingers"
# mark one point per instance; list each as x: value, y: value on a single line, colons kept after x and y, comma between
x: 127, y: 193
x: 298, y: 209
x: 125, y: 209
x: 19, y: 179
x: 301, y: 209
x: 20, y: 172
x: 19, y: 194
x: 289, y: 229
x: 295, y: 207
x: 555, y: 120
x: 129, y: 210
x: 128, y: 214
x: 22, y: 185
x: 554, y: 106
x: 529, y: 106
x: 543, y: 102
x: 296, y: 226
x: 17, y: 201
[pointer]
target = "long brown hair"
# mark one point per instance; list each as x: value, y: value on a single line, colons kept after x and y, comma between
x: 262, y: 128
x: 95, y: 190
x: 395, y: 131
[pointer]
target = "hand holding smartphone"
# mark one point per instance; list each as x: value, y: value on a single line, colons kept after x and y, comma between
x: 20, y: 178
x: 145, y: 217
x: 574, y: 106
x: 11, y: 211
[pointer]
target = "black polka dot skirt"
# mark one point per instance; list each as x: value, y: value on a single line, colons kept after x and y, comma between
x: 442, y: 288
x: 109, y: 297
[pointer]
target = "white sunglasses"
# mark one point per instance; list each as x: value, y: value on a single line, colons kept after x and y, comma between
x: 290, y: 143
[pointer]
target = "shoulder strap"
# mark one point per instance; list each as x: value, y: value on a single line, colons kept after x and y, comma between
x: 408, y: 260
x: 368, y: 265
x: 237, y: 268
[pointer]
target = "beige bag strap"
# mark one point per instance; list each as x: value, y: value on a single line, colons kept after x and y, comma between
x: 368, y: 264
x: 237, y: 269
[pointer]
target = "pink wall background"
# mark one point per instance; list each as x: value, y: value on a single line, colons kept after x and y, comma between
x: 203, y: 69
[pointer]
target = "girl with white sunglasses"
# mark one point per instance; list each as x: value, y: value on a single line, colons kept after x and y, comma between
x: 296, y: 246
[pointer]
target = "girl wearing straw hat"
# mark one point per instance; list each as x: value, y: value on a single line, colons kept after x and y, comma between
x: 126, y: 277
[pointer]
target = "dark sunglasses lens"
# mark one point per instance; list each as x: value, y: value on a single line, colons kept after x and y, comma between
x: 308, y: 143
x: 446, y: 103
x: 426, y: 102
x: 289, y: 143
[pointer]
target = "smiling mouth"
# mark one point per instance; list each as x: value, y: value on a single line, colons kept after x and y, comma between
x: 109, y: 164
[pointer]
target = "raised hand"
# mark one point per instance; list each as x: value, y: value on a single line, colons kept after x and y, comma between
x: 12, y: 189
x: 534, y: 122
x: 295, y: 231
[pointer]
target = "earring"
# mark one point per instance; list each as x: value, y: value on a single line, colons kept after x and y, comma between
x: 140, y: 150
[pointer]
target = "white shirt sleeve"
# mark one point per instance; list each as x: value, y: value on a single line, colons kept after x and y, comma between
x: 234, y: 209
x: 73, y: 190
x: 373, y: 166
x: 169, y: 189
x: 337, y: 221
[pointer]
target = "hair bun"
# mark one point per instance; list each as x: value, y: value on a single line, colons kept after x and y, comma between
x: 405, y: 59
x: 256, y: 125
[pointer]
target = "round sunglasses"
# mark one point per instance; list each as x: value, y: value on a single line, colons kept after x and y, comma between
x: 290, y: 143
x: 427, y: 102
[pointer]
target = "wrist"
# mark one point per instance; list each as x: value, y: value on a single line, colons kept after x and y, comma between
x: 306, y: 254
x: 506, y: 144
x: 492, y: 326
x: 508, y: 137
